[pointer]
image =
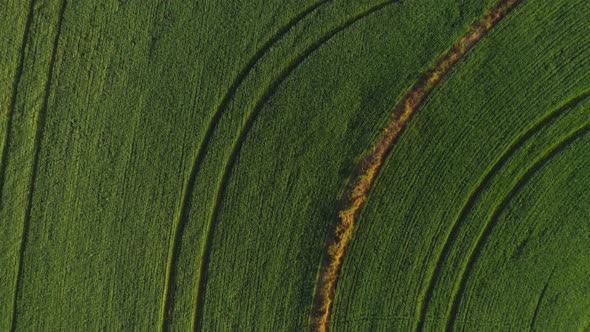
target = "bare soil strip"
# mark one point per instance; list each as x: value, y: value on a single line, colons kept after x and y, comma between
x: 359, y: 185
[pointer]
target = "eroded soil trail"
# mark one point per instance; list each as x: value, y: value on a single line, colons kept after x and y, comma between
x: 365, y: 172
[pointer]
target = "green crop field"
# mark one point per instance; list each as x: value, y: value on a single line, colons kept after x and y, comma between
x: 272, y: 165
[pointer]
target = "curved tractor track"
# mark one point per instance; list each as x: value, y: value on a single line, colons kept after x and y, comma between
x: 366, y: 170
x: 180, y: 222
x: 236, y: 148
x: 544, y: 122
x: 188, y: 190
x: 492, y: 220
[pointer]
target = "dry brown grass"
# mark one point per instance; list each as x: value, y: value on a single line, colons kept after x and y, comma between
x: 366, y: 170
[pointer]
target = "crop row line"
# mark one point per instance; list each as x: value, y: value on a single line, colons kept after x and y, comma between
x: 236, y: 148
x: 477, y: 322
x: 358, y: 187
x: 13, y: 98
x: 540, y: 300
x: 185, y: 204
x: 426, y: 297
x: 39, y: 131
x: 522, y: 181
x: 189, y: 186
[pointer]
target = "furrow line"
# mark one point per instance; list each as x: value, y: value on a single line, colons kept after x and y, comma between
x: 12, y: 106
x: 39, y: 131
x: 185, y: 204
x: 540, y: 300
x: 426, y: 297
x: 522, y: 181
x: 242, y: 137
x: 365, y: 172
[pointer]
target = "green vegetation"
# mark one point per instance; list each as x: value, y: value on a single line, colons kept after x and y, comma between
x: 521, y: 90
x: 177, y: 165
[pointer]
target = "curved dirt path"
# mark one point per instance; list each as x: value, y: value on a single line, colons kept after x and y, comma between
x: 365, y: 172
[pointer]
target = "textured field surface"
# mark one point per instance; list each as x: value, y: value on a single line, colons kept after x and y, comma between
x: 178, y: 165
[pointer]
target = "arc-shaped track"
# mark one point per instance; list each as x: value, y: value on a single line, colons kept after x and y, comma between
x: 182, y: 218
x: 426, y: 297
x: 294, y: 64
x: 537, y: 165
x: 365, y: 172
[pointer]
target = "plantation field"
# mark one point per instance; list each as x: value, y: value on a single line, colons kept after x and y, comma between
x: 187, y: 165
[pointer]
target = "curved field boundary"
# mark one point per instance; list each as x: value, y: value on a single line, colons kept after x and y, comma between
x: 491, y: 222
x: 39, y: 129
x: 182, y: 219
x: 12, y: 107
x: 365, y: 172
x: 426, y: 297
x: 236, y: 148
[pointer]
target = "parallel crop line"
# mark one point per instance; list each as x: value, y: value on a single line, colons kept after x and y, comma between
x: 39, y: 129
x: 358, y: 187
x: 371, y: 319
x: 241, y: 138
x: 547, y: 120
x: 13, y: 98
x: 185, y: 204
x: 522, y: 181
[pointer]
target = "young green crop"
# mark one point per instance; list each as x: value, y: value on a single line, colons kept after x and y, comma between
x: 176, y: 165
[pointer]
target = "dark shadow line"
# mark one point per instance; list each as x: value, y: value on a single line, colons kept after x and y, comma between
x: 474, y: 196
x: 40, y: 127
x: 241, y: 138
x: 540, y: 300
x: 522, y: 182
x: 198, y: 161
x: 13, y: 99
